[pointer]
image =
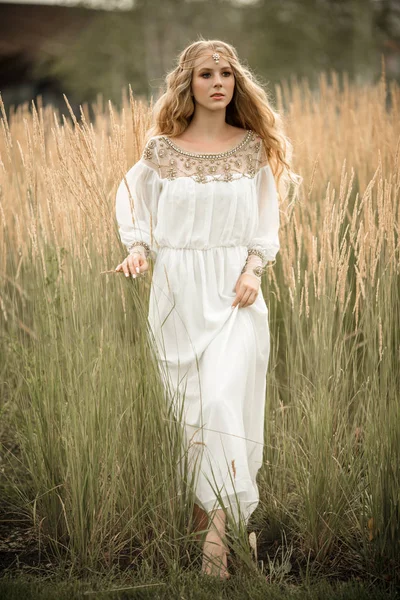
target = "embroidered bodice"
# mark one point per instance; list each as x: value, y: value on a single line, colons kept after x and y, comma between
x: 172, y: 162
x: 192, y: 201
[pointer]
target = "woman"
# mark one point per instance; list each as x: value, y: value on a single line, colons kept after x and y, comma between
x: 202, y: 202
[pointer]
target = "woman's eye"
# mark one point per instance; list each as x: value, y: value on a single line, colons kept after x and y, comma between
x: 224, y: 73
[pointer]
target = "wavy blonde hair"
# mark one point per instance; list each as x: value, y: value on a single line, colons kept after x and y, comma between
x: 250, y: 108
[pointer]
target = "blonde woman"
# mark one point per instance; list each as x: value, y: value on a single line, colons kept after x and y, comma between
x: 202, y: 201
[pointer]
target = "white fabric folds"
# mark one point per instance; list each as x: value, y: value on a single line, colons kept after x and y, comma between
x: 199, y: 230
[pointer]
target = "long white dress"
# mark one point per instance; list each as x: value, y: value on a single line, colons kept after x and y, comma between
x: 200, y: 214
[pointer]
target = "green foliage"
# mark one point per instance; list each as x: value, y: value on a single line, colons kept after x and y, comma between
x: 277, y: 40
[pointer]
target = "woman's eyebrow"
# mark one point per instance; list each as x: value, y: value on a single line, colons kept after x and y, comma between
x: 210, y: 69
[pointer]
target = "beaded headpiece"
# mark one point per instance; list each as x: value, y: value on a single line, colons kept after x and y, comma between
x: 187, y: 63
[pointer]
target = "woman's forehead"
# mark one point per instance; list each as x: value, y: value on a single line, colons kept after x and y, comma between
x: 206, y: 61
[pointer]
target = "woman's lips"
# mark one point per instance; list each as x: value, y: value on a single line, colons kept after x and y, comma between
x: 217, y: 96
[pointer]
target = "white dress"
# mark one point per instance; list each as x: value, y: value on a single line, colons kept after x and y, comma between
x: 200, y: 214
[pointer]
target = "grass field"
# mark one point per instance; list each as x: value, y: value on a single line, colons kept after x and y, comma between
x: 90, y: 494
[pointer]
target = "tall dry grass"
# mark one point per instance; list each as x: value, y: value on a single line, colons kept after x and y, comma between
x: 79, y: 380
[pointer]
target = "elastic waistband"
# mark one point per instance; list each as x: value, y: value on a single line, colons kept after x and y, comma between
x: 203, y: 249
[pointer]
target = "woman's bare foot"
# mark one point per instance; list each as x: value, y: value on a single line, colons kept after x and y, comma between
x: 214, y: 549
x: 215, y: 556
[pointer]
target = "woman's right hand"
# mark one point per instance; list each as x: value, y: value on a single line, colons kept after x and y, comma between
x: 134, y: 264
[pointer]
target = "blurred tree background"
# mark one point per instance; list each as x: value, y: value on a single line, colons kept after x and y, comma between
x: 275, y: 39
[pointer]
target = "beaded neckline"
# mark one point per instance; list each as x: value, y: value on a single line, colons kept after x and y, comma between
x: 209, y: 155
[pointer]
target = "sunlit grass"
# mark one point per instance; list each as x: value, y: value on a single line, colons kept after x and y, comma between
x: 103, y: 455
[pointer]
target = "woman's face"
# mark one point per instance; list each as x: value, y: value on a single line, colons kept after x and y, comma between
x: 210, y: 78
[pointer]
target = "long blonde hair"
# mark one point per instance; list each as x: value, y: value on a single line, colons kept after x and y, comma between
x: 250, y: 108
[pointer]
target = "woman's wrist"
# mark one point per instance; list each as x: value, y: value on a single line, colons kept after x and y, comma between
x: 137, y: 250
x: 139, y: 247
x: 253, y: 266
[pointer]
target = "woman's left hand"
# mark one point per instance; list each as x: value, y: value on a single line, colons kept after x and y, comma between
x: 246, y: 288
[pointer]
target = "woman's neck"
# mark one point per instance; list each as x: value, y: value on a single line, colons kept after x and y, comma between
x: 208, y: 127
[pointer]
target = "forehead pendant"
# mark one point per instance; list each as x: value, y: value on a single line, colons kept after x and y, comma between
x: 216, y: 57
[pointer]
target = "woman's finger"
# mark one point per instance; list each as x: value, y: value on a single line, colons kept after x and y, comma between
x: 238, y: 297
x: 245, y: 297
x: 253, y: 298
x: 125, y: 268
x: 135, y: 263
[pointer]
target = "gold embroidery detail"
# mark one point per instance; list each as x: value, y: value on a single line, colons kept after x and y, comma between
x: 258, y: 251
x: 211, y: 156
x: 148, y: 151
x: 173, y: 162
x: 146, y: 247
x: 171, y: 174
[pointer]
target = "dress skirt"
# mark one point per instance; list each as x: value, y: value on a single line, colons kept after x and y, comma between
x: 201, y: 215
x: 216, y: 359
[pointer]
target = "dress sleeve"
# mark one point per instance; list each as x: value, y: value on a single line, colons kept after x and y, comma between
x: 266, y: 236
x: 137, y: 203
x: 264, y: 243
